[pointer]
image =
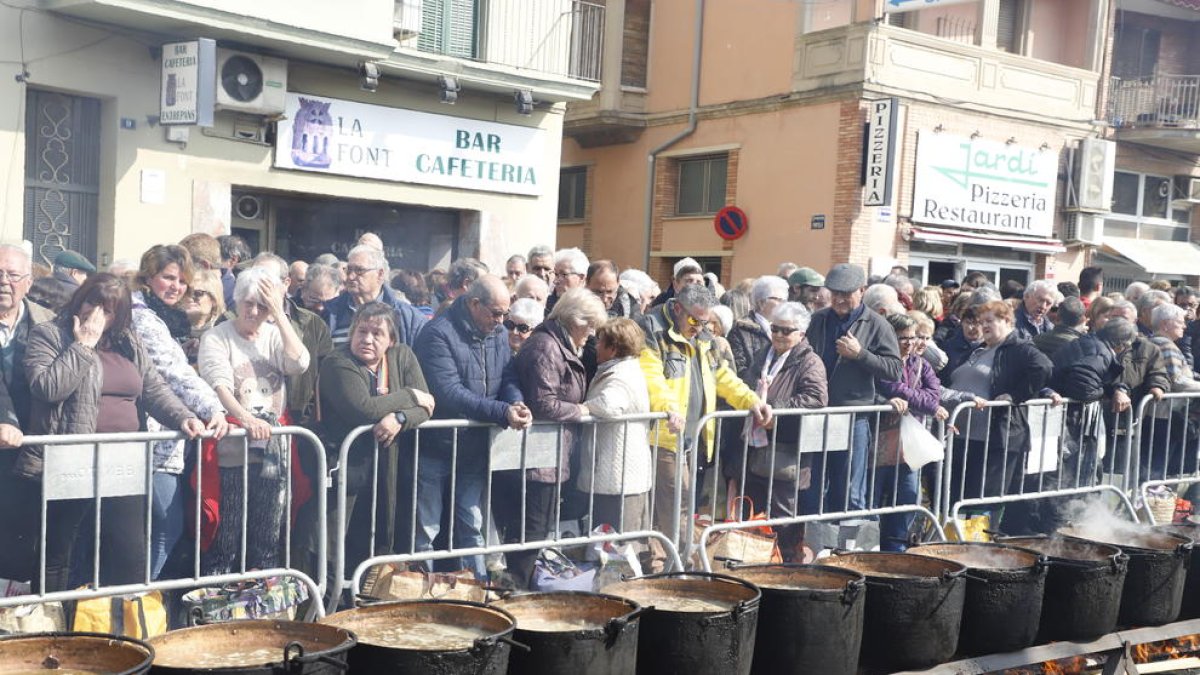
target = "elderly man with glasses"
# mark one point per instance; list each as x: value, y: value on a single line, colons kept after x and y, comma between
x: 685, y: 378
x: 366, y: 280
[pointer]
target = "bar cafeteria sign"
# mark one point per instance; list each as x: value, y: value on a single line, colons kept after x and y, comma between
x: 984, y: 185
x: 370, y: 141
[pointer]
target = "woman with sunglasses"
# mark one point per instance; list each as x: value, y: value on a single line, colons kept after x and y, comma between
x: 788, y: 374
x: 163, y: 282
x: 523, y: 316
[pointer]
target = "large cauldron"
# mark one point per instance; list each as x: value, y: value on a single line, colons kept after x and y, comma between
x: 253, y: 648
x: 914, y: 608
x: 474, y: 639
x: 1083, y: 586
x: 696, y: 624
x: 1005, y: 586
x: 572, y: 632
x: 810, y: 614
x: 1153, y: 592
x: 74, y: 652
x: 1191, y: 589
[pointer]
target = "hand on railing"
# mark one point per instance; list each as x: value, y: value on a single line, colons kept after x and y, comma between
x: 10, y: 436
x: 217, y: 426
x: 1157, y: 393
x: 256, y: 429
x: 674, y: 422
x: 1121, y: 401
x: 941, y: 414
x: 762, y: 413
x: 192, y: 427
x: 386, y: 429
x: 425, y: 400
x: 519, y: 416
x: 899, y: 405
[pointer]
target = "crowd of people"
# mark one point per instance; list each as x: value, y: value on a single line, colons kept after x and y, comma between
x: 202, y: 337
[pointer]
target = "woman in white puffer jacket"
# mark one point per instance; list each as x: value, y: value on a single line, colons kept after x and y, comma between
x: 616, y: 463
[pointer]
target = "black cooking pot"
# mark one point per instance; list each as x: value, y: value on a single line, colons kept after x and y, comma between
x: 1190, y: 609
x: 1083, y: 586
x: 913, y: 611
x: 573, y: 632
x: 695, y: 624
x: 458, y: 638
x: 75, y: 652
x: 253, y: 648
x: 810, y: 614
x: 1153, y: 593
x: 1005, y: 587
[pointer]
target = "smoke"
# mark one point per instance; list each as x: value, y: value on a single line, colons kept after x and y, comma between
x: 1094, y: 518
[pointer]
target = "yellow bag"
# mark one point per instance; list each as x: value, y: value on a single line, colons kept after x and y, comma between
x: 139, y: 616
x: 975, y: 528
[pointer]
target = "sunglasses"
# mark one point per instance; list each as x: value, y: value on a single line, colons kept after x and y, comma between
x: 522, y: 328
x: 782, y: 330
x: 199, y: 295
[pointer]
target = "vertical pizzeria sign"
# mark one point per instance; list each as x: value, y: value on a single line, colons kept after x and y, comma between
x: 880, y: 152
x: 984, y: 185
x: 369, y: 141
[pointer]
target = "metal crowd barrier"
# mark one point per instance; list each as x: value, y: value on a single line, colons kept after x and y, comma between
x: 1168, y: 443
x: 539, y: 447
x: 102, y: 466
x: 1072, y: 452
x: 855, y: 489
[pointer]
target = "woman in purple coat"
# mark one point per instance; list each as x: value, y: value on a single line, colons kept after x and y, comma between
x: 917, y: 393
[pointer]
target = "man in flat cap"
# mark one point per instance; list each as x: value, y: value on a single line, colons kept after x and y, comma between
x: 804, y: 285
x: 70, y: 270
x: 858, y: 347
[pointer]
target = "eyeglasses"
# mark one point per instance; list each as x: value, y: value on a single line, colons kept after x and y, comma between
x: 782, y: 330
x: 199, y: 295
x: 12, y: 277
x: 522, y: 328
x: 906, y: 340
x: 356, y: 271
x: 692, y: 320
x: 777, y: 298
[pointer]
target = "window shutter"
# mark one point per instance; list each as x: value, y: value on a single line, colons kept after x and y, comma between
x: 1007, y: 29
x: 432, y: 18
x: 460, y: 40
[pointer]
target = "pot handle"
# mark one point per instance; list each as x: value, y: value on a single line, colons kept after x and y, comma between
x: 852, y: 591
x: 1120, y: 562
x: 1183, y: 550
x: 363, y: 600
x: 294, y: 659
x: 615, y: 625
x: 873, y: 582
x: 948, y: 576
x: 730, y: 562
x: 488, y: 642
x: 196, y: 616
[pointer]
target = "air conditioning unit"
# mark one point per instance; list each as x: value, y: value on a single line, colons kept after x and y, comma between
x: 1083, y: 228
x: 251, y: 83
x: 1188, y: 189
x: 406, y: 18
x: 1091, y: 180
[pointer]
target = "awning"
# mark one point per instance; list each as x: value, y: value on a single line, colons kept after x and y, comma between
x: 1157, y: 257
x: 937, y: 235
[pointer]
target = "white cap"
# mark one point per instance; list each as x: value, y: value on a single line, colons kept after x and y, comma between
x: 686, y: 262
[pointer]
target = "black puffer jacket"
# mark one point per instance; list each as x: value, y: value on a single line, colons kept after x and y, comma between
x: 1085, y: 369
x: 1020, y: 371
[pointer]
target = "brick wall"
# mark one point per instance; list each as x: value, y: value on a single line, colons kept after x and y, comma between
x: 851, y: 238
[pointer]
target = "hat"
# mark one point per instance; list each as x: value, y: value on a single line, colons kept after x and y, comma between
x: 69, y: 259
x: 806, y: 276
x: 845, y: 278
x: 686, y: 262
x: 949, y: 283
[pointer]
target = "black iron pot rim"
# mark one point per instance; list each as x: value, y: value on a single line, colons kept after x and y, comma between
x: 1182, y: 548
x: 491, y: 637
x: 738, y: 609
x: 605, y: 630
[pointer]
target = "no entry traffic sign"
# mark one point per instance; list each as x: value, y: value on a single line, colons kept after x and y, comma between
x: 731, y: 223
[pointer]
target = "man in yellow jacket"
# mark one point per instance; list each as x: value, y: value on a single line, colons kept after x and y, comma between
x: 685, y: 377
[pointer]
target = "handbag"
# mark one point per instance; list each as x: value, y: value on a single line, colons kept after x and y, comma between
x: 271, y: 598
x: 789, y: 466
x: 397, y: 582
x: 887, y: 440
x: 139, y: 616
x: 554, y: 571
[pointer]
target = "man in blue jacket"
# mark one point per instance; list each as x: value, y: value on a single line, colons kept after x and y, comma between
x: 463, y: 354
x: 366, y: 280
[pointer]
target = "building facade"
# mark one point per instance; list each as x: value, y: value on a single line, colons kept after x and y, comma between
x: 435, y: 123
x: 942, y: 137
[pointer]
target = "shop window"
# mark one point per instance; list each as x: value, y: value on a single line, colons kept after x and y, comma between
x: 701, y: 185
x: 449, y: 27
x: 572, y: 193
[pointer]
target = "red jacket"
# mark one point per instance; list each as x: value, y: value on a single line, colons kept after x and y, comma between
x: 210, y: 494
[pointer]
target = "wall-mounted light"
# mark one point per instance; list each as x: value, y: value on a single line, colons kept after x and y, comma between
x: 939, y: 128
x: 448, y: 89
x: 975, y: 134
x: 368, y: 76
x: 1011, y: 140
x: 1044, y: 146
x: 523, y: 98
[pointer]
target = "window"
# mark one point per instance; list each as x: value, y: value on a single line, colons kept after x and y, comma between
x: 572, y: 193
x: 1142, y: 208
x: 448, y: 27
x: 701, y: 185
x: 635, y: 44
x: 1010, y: 26
x: 1135, y: 51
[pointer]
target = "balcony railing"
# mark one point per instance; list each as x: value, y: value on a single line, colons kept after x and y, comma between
x: 1157, y: 101
x: 557, y: 37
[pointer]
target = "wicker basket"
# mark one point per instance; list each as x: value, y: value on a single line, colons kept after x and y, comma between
x: 1162, y: 507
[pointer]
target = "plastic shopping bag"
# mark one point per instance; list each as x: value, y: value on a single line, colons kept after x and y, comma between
x: 919, y: 447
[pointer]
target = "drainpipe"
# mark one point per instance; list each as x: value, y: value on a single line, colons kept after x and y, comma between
x: 652, y: 158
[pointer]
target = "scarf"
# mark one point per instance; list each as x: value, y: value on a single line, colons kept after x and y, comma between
x: 176, y: 319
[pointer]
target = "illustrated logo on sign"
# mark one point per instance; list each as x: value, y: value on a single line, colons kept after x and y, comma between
x: 310, y: 134
x: 731, y: 223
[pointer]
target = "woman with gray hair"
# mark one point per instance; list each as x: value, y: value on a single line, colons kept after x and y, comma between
x: 752, y: 334
x: 553, y: 380
x: 1166, y: 456
x: 247, y: 361
x: 787, y: 374
x: 523, y: 316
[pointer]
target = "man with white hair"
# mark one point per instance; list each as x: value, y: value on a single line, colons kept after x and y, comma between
x: 752, y: 334
x: 641, y: 286
x: 532, y: 287
x: 1032, y: 317
x: 570, y: 271
x: 881, y: 299
x: 366, y: 280
x: 1134, y: 291
x: 1145, y: 308
x: 1143, y: 369
x: 370, y: 239
x: 541, y: 263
